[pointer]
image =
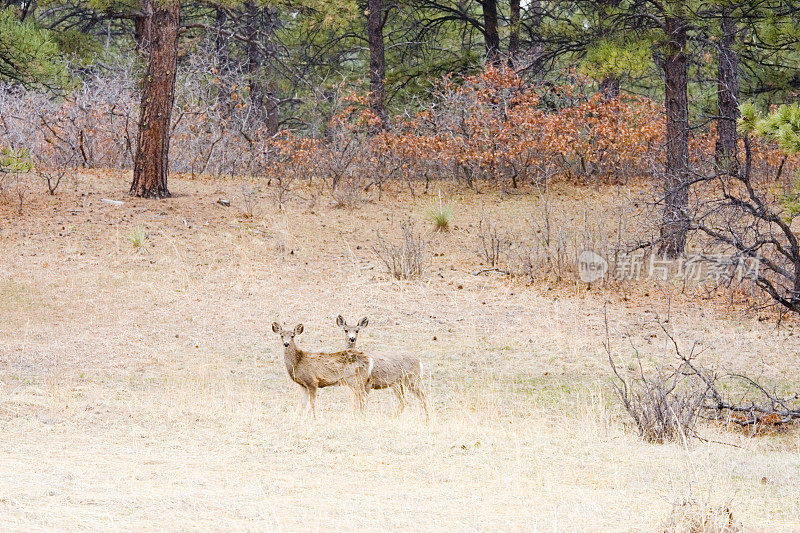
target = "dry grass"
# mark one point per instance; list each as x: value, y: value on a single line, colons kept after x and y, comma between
x: 146, y: 391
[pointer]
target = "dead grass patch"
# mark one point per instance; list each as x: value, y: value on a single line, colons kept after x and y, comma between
x: 146, y: 391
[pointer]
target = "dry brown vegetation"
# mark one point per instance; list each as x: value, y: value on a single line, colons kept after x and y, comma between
x: 141, y: 387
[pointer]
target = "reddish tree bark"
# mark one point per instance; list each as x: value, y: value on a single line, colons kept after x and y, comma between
x: 675, y: 219
x: 513, y: 39
x: 491, y: 34
x: 150, y: 164
x: 377, y: 58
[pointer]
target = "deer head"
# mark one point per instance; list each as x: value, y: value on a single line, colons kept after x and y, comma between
x: 287, y: 336
x: 351, y: 332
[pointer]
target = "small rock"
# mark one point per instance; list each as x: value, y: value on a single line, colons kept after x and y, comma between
x: 223, y: 202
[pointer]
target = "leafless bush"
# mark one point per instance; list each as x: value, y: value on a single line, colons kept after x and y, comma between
x: 95, y: 124
x: 346, y: 166
x: 747, y: 233
x: 664, y: 405
x: 406, y: 260
x: 667, y: 403
x: 12, y: 191
x: 55, y: 164
x: 491, y: 245
x: 249, y: 199
x: 350, y: 192
x: 52, y: 177
x: 549, y: 250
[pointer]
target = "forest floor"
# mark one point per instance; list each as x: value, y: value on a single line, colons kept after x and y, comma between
x: 142, y: 388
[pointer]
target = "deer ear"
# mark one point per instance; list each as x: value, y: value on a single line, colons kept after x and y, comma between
x: 298, y: 329
x: 340, y: 321
x: 276, y: 327
x: 363, y: 323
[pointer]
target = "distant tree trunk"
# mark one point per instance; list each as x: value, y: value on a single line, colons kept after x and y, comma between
x: 727, y: 97
x: 491, y: 33
x: 158, y: 95
x: 513, y: 39
x: 377, y: 58
x: 609, y: 86
x: 272, y: 110
x: 255, y: 58
x: 675, y: 221
x: 142, y: 28
x: 534, y: 8
x: 223, y: 61
x: 259, y: 27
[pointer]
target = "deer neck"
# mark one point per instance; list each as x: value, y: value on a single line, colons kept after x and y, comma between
x: 291, y: 356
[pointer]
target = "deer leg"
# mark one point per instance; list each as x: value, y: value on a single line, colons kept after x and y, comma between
x: 360, y: 402
x: 303, y: 402
x: 360, y: 387
x: 312, y: 398
x: 401, y: 397
x: 420, y: 394
x: 360, y: 391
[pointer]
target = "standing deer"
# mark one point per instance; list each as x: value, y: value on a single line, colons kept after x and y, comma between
x: 314, y: 370
x: 395, y: 371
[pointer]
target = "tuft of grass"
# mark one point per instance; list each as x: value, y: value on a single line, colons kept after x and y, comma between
x: 441, y: 214
x: 136, y: 237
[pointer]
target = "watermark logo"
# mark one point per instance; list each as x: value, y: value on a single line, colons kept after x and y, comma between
x: 591, y: 266
x: 690, y: 269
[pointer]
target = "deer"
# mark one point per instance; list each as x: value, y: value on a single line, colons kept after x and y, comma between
x: 315, y: 370
x: 395, y: 371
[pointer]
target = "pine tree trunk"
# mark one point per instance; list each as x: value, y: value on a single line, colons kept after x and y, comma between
x: 142, y: 27
x: 536, y: 46
x: 158, y: 95
x: 254, y: 58
x: 513, y: 39
x: 727, y: 98
x: 490, y: 32
x: 609, y: 86
x: 272, y: 111
x: 223, y: 61
x: 675, y: 221
x: 377, y: 58
x: 259, y: 27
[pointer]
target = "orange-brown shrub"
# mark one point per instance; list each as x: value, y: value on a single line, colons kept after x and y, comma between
x: 489, y: 126
x: 494, y: 126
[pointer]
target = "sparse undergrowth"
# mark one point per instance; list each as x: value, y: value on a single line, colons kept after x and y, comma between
x: 406, y: 260
x: 666, y: 403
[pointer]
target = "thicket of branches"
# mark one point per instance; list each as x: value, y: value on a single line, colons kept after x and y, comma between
x: 667, y: 402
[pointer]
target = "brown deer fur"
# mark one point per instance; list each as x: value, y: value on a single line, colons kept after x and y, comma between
x: 397, y: 371
x: 314, y: 370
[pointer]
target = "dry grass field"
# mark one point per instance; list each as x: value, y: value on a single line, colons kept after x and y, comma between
x: 142, y: 389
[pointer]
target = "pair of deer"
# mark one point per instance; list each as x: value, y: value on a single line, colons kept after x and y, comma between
x: 351, y: 367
